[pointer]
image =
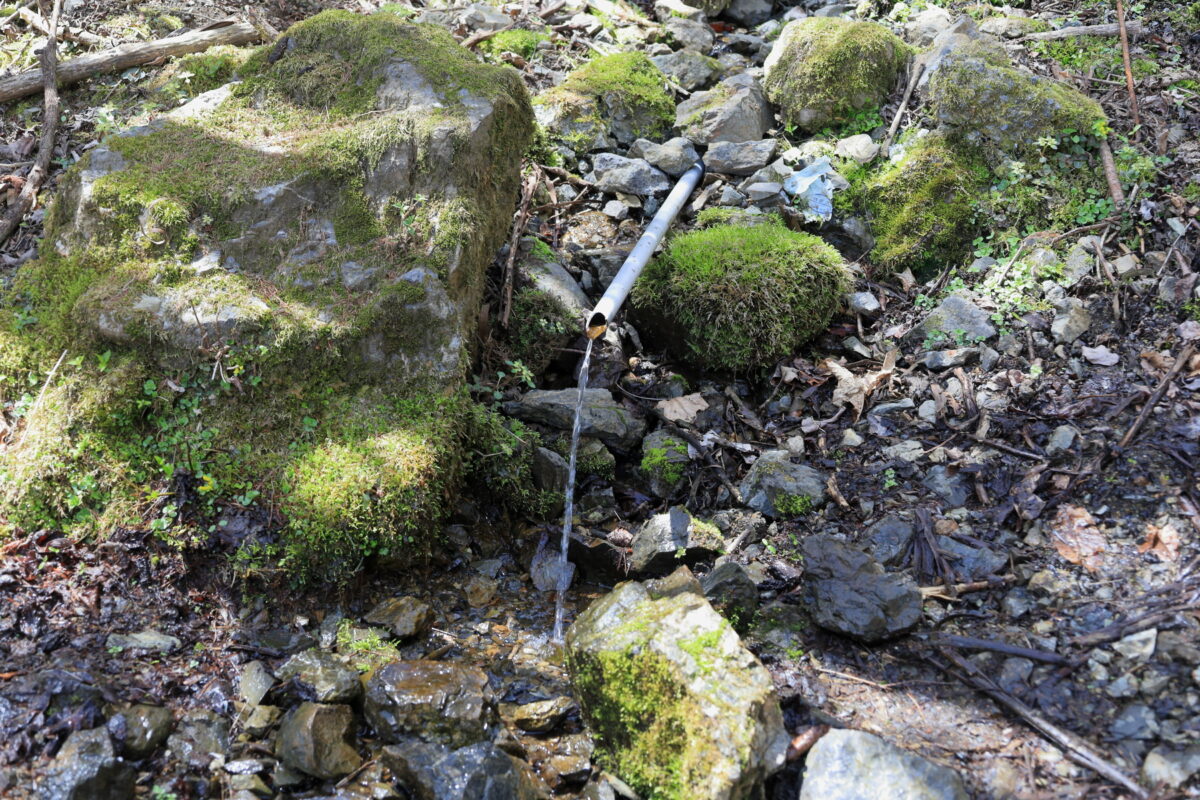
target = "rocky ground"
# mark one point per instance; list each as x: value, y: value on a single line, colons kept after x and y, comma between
x: 958, y: 527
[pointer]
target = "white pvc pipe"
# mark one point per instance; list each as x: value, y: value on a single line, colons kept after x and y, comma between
x: 639, y: 256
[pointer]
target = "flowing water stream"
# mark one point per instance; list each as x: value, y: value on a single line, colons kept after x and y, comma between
x: 565, y: 570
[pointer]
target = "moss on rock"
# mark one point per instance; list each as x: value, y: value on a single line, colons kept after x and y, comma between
x: 623, y: 94
x: 266, y: 294
x: 922, y: 208
x: 822, y: 70
x: 741, y: 297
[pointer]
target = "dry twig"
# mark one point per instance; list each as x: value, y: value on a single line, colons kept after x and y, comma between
x: 514, y: 241
x: 1124, y: 31
x: 1110, y: 175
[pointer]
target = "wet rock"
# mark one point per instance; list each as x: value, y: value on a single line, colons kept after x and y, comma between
x: 260, y: 720
x: 405, y: 617
x: 603, y: 417
x: 430, y: 700
x: 888, y: 540
x: 674, y: 699
x: 664, y: 461
x: 955, y: 313
x: 199, y: 737
x: 245, y: 787
x: 850, y: 765
x: 971, y: 563
x: 1165, y: 766
x: 665, y: 541
x: 674, y: 156
x: 88, y: 768
x: 731, y: 591
x: 1071, y: 321
x: 480, y: 771
x: 740, y: 158
x: 749, y: 13
x: 949, y: 485
x: 734, y: 111
x: 852, y: 595
x: 1134, y: 721
x: 316, y: 739
x: 776, y: 487
x: 141, y: 729
x: 541, y: 716
x: 550, y: 470
x: 598, y: 560
x: 616, y: 173
x: 689, y: 69
x: 322, y: 676
x: 143, y: 641
x: 480, y: 590
x: 254, y: 681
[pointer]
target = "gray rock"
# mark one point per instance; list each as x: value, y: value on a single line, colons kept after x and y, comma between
x: 322, y: 676
x: 616, y: 209
x: 945, y: 359
x: 774, y: 481
x: 358, y: 278
x: 925, y: 26
x: 852, y: 595
x: 864, y: 303
x: 140, y: 729
x: 888, y: 540
x: 740, y: 158
x: 861, y: 148
x: 731, y: 197
x: 1071, y: 321
x: 429, y: 700
x: 199, y: 737
x: 316, y: 739
x: 551, y: 277
x: 143, y: 641
x: 765, y: 194
x: 955, y: 316
x: 749, y: 13
x: 950, y: 486
x: 690, y: 34
x: 1061, y: 440
x: 962, y: 32
x: 540, y: 716
x: 1134, y: 721
x: 689, y: 69
x: 664, y: 461
x: 480, y: 771
x: 674, y: 156
x: 665, y: 541
x: 254, y: 681
x: 851, y: 765
x: 616, y: 173
x: 603, y: 417
x: 88, y: 768
x: 734, y: 111
x: 260, y: 720
x: 971, y: 563
x: 1169, y: 767
x: 731, y: 591
x: 405, y: 617
x: 550, y: 470
x: 667, y: 629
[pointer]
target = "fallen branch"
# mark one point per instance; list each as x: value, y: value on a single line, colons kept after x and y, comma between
x: 952, y: 592
x: 971, y: 643
x: 514, y: 242
x: 38, y: 22
x: 483, y: 36
x: 131, y: 55
x: 1075, y: 747
x: 1124, y: 32
x: 37, y: 174
x: 917, y: 70
x: 1108, y: 29
x: 1110, y: 175
x: 615, y: 11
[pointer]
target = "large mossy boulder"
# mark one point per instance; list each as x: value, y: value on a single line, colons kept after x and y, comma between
x: 736, y: 298
x: 824, y: 70
x: 265, y: 295
x: 678, y: 707
x: 922, y: 208
x: 621, y: 96
x: 985, y: 102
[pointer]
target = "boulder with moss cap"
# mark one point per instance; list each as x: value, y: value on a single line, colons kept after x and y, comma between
x: 223, y: 233
x: 823, y: 70
x: 678, y: 706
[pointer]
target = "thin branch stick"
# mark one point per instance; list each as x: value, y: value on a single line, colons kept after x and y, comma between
x: 940, y: 592
x: 1124, y: 31
x: 1109, y: 29
x: 971, y: 643
x: 53, y: 370
x: 1110, y: 175
x: 483, y: 36
x: 1180, y: 362
x: 37, y: 21
x: 37, y: 174
x: 130, y: 55
x: 917, y: 70
x: 4, y: 22
x: 514, y: 242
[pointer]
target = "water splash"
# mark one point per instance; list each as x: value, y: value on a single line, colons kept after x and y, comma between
x: 565, y: 569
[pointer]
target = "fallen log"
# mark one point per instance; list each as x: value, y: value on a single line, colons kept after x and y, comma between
x: 130, y: 55
x: 1108, y: 29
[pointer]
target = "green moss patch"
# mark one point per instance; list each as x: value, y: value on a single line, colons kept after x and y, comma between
x: 624, y: 86
x: 742, y: 297
x: 520, y: 41
x: 822, y: 71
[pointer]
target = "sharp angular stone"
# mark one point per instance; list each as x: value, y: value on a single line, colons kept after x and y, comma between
x: 322, y: 676
x: 776, y: 487
x: 666, y: 540
x: 141, y: 729
x: 740, y: 158
x: 430, y: 700
x: 616, y: 173
x: 87, y: 768
x: 540, y: 716
x: 480, y: 771
x: 674, y: 156
x: 955, y: 314
x: 689, y: 69
x: 888, y: 540
x: 405, y: 617
x: 731, y: 591
x: 734, y: 111
x: 603, y: 417
x: 851, y: 765
x: 852, y: 595
x: 315, y: 739
x: 199, y: 737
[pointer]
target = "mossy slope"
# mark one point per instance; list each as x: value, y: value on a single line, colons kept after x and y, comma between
x: 266, y: 295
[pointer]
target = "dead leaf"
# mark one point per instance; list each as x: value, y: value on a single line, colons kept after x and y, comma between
x: 682, y: 409
x: 907, y: 281
x: 1155, y: 364
x: 1162, y: 541
x: 1101, y: 356
x: 855, y: 389
x: 1076, y: 537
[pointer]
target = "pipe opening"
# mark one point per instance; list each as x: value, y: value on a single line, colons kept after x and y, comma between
x: 596, y: 326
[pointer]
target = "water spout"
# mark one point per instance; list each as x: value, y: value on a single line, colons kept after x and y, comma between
x: 618, y: 290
